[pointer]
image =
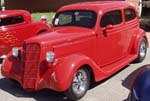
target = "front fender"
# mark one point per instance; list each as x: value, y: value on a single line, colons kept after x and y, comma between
x: 67, y: 67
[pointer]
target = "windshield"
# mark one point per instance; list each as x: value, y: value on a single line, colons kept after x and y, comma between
x: 80, y: 18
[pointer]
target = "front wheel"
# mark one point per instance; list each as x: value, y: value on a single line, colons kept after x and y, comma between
x: 80, y: 84
x: 142, y: 50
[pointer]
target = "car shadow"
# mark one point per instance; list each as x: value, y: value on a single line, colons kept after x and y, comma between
x: 15, y: 89
x: 127, y: 82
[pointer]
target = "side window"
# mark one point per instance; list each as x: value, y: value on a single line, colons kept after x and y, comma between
x: 129, y: 14
x: 113, y: 18
x: 19, y: 19
x: 11, y: 20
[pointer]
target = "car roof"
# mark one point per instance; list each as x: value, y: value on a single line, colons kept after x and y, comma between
x: 96, y: 5
x: 10, y: 13
x: 13, y: 12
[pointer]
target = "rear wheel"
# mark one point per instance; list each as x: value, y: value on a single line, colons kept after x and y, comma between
x: 80, y: 84
x: 142, y: 50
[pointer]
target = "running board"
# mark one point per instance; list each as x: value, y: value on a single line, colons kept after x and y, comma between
x: 112, y: 68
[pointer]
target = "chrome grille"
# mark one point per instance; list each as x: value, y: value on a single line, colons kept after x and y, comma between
x: 31, y: 60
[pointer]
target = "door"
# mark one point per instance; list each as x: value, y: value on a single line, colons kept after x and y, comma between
x: 110, y: 40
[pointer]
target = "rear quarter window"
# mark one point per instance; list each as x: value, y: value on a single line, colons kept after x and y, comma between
x: 11, y: 20
x: 129, y: 14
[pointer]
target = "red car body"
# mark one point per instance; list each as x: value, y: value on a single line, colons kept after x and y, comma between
x: 103, y: 50
x: 15, y: 27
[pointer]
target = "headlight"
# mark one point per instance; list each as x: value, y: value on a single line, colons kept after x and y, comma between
x: 50, y: 56
x: 15, y: 52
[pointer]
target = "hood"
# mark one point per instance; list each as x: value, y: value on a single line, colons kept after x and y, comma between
x: 62, y: 35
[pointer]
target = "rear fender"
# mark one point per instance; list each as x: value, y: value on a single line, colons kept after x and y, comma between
x: 42, y: 28
x: 138, y: 37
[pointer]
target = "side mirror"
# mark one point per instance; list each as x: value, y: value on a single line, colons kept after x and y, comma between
x: 105, y: 31
x: 109, y: 27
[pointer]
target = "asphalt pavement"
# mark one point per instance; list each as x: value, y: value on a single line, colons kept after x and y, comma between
x: 115, y: 88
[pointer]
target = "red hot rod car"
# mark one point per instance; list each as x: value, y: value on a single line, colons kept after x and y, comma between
x: 15, y: 27
x: 90, y: 40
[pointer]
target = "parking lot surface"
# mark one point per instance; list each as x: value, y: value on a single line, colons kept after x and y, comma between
x: 115, y: 88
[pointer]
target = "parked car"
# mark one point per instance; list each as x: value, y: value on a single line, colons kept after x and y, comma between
x: 88, y: 41
x: 15, y: 27
x: 143, y: 7
x: 141, y: 85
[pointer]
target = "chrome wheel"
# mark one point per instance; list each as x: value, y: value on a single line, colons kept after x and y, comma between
x: 80, y: 81
x: 79, y: 85
x: 143, y: 49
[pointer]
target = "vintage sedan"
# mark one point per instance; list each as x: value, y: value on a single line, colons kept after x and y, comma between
x: 89, y: 41
x: 15, y: 27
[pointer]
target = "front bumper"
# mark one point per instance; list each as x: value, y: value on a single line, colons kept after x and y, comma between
x: 3, y: 56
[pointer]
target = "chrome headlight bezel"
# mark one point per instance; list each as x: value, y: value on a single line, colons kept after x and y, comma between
x: 50, y: 56
x: 15, y: 51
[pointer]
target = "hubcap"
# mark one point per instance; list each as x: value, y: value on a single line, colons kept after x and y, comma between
x: 80, y: 81
x: 142, y: 49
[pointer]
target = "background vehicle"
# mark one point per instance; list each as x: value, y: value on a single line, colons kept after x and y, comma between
x: 143, y: 7
x: 141, y: 85
x: 15, y: 27
x: 88, y: 42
